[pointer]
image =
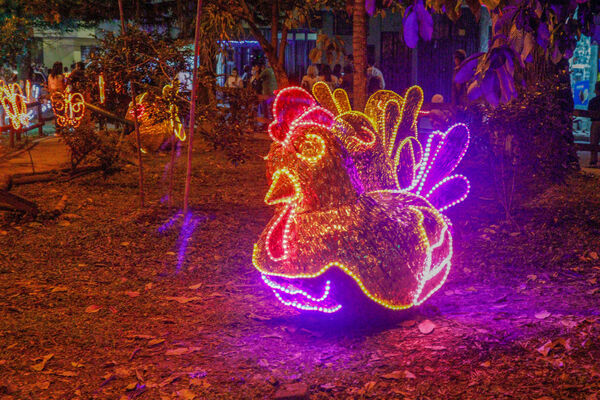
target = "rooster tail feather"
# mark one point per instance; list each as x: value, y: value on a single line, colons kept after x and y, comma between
x: 443, y: 153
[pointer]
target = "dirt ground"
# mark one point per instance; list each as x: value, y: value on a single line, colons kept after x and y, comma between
x: 108, y: 301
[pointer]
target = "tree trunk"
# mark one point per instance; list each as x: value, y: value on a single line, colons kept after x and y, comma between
x: 280, y: 74
x: 359, y: 48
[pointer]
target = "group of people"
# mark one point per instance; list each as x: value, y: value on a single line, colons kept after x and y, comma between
x: 259, y: 77
x: 343, y: 78
x: 60, y: 78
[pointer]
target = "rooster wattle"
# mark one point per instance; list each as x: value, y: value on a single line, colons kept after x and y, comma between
x: 360, y: 193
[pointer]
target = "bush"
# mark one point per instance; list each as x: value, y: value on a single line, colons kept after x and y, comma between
x: 528, y: 141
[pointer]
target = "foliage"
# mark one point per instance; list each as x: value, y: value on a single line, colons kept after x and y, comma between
x: 82, y: 141
x: 230, y: 121
x: 526, y: 140
x: 146, y: 59
x: 15, y: 36
x: 520, y: 31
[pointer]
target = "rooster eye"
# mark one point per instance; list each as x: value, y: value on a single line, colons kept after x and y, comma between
x: 310, y: 148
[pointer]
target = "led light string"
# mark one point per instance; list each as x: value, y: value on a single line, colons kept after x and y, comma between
x: 69, y: 108
x: 101, y: 88
x: 301, y: 127
x: 13, y: 102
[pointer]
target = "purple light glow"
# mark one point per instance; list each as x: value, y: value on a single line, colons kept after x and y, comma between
x: 301, y: 299
x: 187, y: 229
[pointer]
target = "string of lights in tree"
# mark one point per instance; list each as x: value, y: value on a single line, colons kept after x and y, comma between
x: 69, y: 108
x: 14, y: 103
x: 101, y: 91
x: 362, y: 192
x: 152, y: 131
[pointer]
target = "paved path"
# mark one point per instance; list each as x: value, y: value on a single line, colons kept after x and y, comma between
x: 48, y: 154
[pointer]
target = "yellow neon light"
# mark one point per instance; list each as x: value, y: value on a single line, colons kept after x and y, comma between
x: 170, y: 91
x: 101, y: 88
x: 13, y: 102
x: 69, y: 108
x: 427, y: 274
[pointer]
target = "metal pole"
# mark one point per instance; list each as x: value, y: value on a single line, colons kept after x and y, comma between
x: 135, y: 119
x: 188, y: 177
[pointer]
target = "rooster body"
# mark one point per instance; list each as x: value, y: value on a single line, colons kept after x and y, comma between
x: 353, y: 192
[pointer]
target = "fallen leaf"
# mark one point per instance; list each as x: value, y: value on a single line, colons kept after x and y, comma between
x: 64, y: 223
x: 131, y: 386
x: 132, y: 294
x: 40, y: 366
x: 172, y: 378
x: 183, y: 300
x: 199, y: 382
x: 545, y: 348
x: 43, y: 385
x: 486, y: 364
x: 369, y: 385
x: 155, y: 342
x: 272, y: 336
x: 77, y: 365
x: 568, y: 323
x: 181, y: 350
x: 59, y: 289
x: 531, y: 277
x: 196, y: 286
x: 124, y: 243
x: 408, y: 323
x: 186, y: 394
x: 92, y: 309
x: 148, y: 286
x: 66, y: 373
x: 140, y: 336
x: 426, y: 327
x: 542, y: 314
x: 409, y: 375
x: 394, y: 375
x: 257, y: 317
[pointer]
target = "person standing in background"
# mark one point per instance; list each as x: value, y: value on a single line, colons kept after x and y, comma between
x: 347, y: 81
x: 310, y: 78
x: 234, y: 80
x: 337, y: 74
x: 56, y: 79
x: 269, y: 84
x: 459, y: 90
x: 247, y: 75
x: 327, y: 77
x: 374, y: 72
x: 76, y: 79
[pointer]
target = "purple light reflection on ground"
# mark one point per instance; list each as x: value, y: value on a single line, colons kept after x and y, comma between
x: 189, y: 224
x: 187, y: 229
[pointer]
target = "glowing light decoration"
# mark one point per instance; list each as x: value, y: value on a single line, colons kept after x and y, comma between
x: 101, y: 88
x: 358, y: 192
x: 169, y: 93
x: 14, y: 104
x: 28, y: 90
x: 69, y: 108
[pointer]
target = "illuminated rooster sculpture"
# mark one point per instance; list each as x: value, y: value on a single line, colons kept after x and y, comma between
x: 357, y: 195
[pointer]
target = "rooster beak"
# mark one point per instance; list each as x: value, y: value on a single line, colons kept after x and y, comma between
x: 285, y: 188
